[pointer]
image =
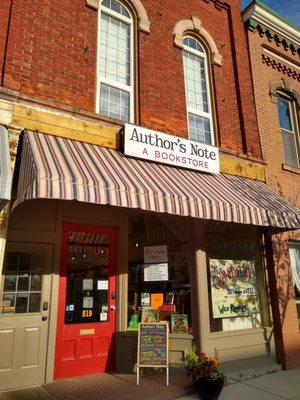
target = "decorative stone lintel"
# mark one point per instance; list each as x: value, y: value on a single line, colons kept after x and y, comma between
x: 283, y: 84
x: 194, y: 25
x: 143, y: 20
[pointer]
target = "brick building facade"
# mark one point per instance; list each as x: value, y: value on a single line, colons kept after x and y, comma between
x: 72, y: 75
x: 274, y: 53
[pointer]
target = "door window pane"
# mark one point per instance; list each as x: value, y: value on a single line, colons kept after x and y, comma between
x: 23, y: 282
x: 36, y: 282
x: 87, y: 278
x: 21, y: 303
x: 22, y: 275
x: 8, y: 304
x: 34, y: 302
x: 10, y: 282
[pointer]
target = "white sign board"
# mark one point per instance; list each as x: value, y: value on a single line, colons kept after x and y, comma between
x: 102, y: 285
x: 155, y: 254
x: 160, y: 147
x: 156, y: 272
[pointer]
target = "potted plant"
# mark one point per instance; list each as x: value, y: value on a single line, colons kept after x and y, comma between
x: 206, y: 374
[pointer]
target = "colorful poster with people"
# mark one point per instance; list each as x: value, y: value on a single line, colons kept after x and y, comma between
x: 233, y: 288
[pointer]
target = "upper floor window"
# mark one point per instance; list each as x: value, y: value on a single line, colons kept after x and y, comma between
x: 289, y: 129
x: 197, y: 91
x: 115, y: 62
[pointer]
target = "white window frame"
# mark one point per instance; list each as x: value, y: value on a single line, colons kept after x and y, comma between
x: 100, y: 79
x: 295, y: 126
x: 293, y: 245
x: 191, y: 110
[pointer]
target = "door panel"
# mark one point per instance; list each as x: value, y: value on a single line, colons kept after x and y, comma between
x: 85, y: 340
x: 26, y: 283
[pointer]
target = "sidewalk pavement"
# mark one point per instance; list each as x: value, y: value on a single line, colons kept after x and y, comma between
x: 283, y: 385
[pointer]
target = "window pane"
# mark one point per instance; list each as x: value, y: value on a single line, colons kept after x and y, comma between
x: 116, y: 6
x: 193, y: 44
x: 8, y: 303
x: 23, y: 282
x: 36, y: 282
x: 35, y: 302
x: 199, y: 129
x: 21, y: 303
x: 284, y: 114
x: 115, y: 50
x: 114, y: 103
x: 290, y: 150
x: 10, y: 283
x: 195, y: 82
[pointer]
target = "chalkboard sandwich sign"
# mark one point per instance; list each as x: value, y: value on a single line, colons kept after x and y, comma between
x: 153, y: 347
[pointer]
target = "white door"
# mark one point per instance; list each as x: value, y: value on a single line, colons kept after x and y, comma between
x: 24, y: 314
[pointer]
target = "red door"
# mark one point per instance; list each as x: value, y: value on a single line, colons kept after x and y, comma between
x: 85, y: 341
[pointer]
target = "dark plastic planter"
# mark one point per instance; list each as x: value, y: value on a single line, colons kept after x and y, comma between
x: 209, y: 389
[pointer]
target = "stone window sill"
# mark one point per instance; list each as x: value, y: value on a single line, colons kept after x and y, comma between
x: 291, y: 169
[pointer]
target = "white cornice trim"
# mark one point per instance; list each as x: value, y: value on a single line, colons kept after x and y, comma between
x: 271, y: 21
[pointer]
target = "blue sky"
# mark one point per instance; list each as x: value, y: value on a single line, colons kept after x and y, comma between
x: 289, y: 9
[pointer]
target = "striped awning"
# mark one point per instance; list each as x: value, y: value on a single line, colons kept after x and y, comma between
x: 5, y: 169
x: 57, y: 168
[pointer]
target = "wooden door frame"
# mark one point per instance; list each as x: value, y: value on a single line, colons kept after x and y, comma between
x: 89, y: 228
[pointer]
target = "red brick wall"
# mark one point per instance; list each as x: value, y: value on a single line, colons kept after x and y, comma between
x: 52, y: 54
x: 4, y: 18
x: 284, y: 182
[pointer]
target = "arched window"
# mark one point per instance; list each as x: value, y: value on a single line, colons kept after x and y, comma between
x: 197, y: 91
x: 115, y: 77
x: 287, y: 111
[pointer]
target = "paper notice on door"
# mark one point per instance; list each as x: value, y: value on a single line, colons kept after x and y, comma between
x: 103, y: 316
x: 87, y: 284
x: 88, y: 302
x: 102, y: 285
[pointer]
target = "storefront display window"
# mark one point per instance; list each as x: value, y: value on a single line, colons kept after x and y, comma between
x: 234, y: 280
x: 158, y: 282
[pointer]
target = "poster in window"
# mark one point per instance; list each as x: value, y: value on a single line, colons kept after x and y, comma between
x: 156, y: 272
x: 233, y: 288
x: 179, y: 323
x: 157, y: 300
x: 145, y: 299
x: 149, y: 315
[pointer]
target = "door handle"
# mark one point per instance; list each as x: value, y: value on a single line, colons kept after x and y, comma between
x: 112, y: 308
x: 44, y: 318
